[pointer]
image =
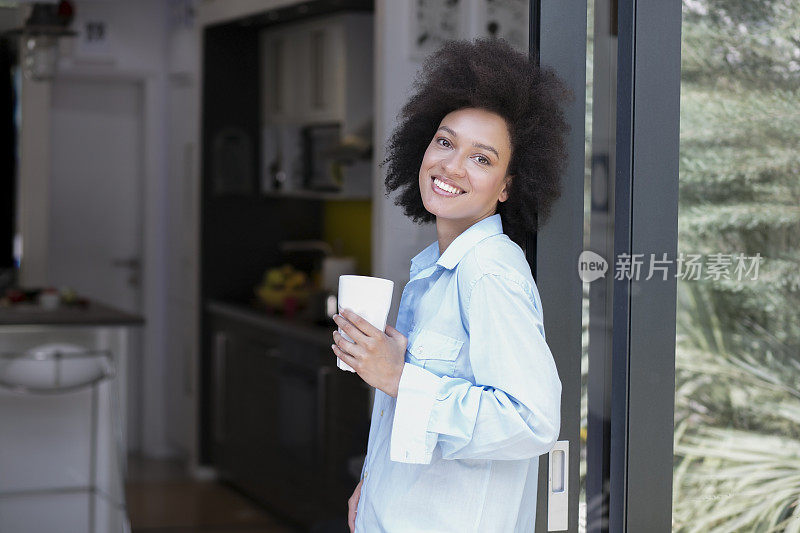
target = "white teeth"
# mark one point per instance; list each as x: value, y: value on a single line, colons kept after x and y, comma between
x: 445, y: 187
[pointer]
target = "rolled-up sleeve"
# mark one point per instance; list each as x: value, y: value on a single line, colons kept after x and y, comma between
x: 513, y: 409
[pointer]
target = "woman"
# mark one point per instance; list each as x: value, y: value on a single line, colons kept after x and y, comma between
x: 467, y: 392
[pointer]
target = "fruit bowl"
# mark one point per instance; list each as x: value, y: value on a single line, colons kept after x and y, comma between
x: 284, y: 289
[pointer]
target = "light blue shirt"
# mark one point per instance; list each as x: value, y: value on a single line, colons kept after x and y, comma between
x: 479, y: 398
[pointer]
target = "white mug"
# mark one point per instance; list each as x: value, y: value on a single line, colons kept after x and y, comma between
x: 368, y: 297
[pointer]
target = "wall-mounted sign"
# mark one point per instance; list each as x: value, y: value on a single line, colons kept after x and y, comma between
x: 433, y: 22
x: 94, y: 41
x: 507, y: 19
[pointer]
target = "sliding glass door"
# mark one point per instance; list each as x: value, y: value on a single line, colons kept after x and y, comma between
x: 681, y: 401
x: 558, y: 40
x: 607, y: 263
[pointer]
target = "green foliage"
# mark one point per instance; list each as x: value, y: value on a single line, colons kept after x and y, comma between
x: 737, y: 410
x: 740, y: 42
x: 744, y: 476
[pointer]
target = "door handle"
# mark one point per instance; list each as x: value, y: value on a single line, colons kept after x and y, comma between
x: 220, y: 368
x: 558, y: 487
x: 133, y: 264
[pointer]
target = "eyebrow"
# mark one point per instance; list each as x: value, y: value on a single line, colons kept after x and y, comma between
x: 476, y: 145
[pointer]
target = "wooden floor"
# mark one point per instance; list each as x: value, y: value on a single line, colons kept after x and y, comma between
x: 161, y: 498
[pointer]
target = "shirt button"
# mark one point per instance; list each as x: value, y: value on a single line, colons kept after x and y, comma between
x: 365, y: 474
x: 381, y: 412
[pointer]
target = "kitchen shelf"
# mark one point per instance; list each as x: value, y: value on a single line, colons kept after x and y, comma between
x: 316, y: 195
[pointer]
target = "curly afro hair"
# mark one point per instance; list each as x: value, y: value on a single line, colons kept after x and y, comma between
x: 486, y: 74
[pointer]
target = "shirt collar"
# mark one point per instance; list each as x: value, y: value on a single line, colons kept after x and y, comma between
x: 425, y: 258
x: 487, y: 227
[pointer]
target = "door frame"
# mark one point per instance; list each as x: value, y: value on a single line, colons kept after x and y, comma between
x: 558, y: 40
x: 645, y: 222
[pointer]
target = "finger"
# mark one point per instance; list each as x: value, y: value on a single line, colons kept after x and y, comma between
x: 351, y: 517
x: 361, y: 323
x: 346, y: 346
x: 345, y: 357
x: 353, y: 507
x: 390, y: 331
x: 352, y: 331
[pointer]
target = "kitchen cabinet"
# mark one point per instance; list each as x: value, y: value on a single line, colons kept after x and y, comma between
x: 279, y: 75
x: 318, y: 71
x: 287, y: 423
x: 245, y: 384
x: 323, y: 72
x: 316, y: 91
x: 302, y: 73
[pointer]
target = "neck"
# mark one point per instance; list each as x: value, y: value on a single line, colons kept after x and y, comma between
x: 447, y: 230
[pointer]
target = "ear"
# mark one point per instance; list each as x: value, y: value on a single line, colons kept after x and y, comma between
x: 504, y: 193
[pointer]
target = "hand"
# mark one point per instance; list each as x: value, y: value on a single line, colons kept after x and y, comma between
x: 376, y: 356
x: 352, y: 505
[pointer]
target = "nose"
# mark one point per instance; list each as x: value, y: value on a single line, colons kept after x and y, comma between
x: 454, y: 166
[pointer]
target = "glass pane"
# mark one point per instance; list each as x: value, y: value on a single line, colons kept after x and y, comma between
x: 737, y: 397
x: 600, y: 147
x: 586, y: 244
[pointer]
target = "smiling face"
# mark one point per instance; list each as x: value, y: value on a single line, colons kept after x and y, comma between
x: 463, y: 172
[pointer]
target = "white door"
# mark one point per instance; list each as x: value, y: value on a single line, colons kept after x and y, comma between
x: 95, y: 221
x: 96, y: 202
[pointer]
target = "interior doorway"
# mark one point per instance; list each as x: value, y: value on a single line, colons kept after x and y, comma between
x: 95, y: 229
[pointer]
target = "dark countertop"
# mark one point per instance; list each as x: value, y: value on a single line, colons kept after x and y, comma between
x: 298, y: 328
x: 94, y: 314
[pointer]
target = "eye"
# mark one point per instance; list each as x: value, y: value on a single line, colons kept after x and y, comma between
x: 443, y: 142
x: 482, y: 160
